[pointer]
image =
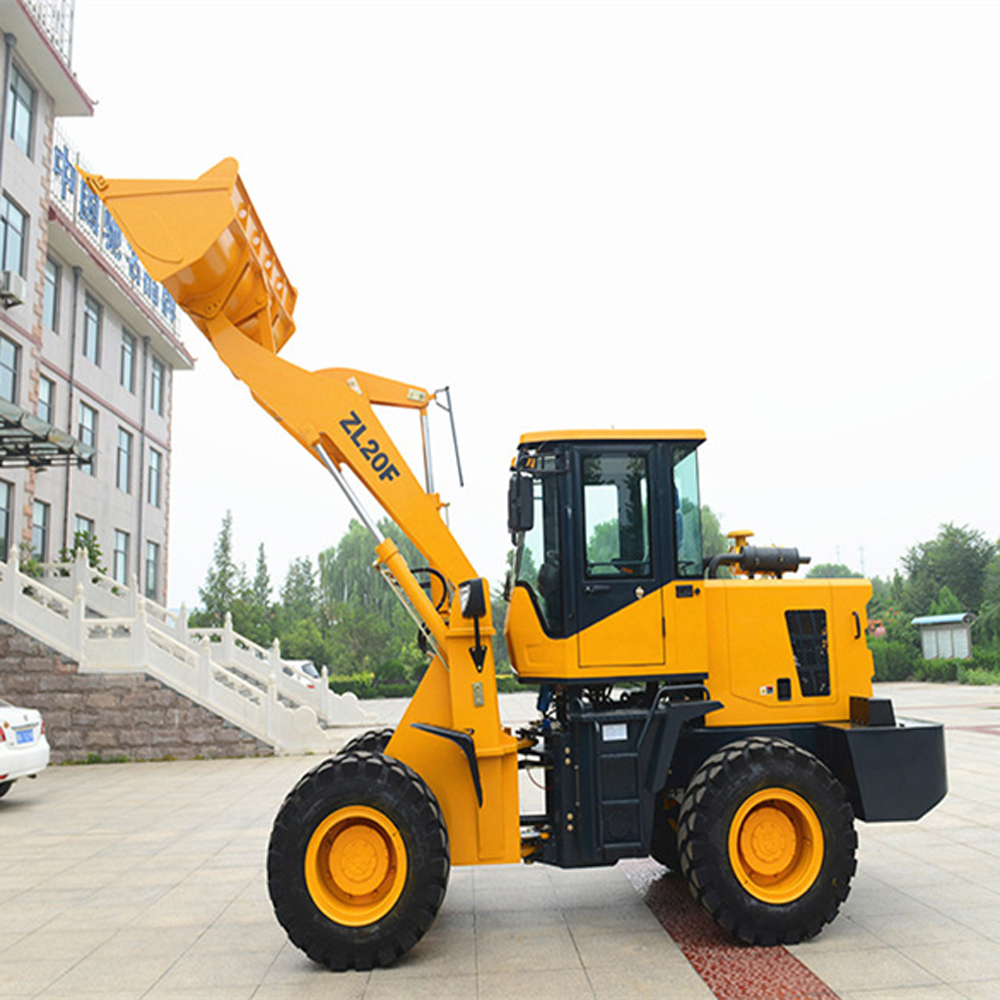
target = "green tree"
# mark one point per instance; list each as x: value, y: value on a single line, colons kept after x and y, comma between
x: 361, y: 639
x: 603, y: 544
x: 832, y: 571
x: 987, y: 626
x: 528, y: 569
x: 946, y: 603
x: 346, y: 572
x: 957, y: 558
x: 366, y: 626
x: 885, y: 606
x: 260, y: 586
x: 713, y: 540
x: 303, y: 640
x: 224, y: 581
x: 299, y: 618
x: 298, y: 592
x: 253, y: 611
x: 86, y: 541
x: 499, y: 608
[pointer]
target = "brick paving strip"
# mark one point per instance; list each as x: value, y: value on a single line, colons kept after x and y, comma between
x: 731, y: 971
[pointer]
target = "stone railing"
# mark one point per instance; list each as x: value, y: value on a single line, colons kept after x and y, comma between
x: 106, y: 627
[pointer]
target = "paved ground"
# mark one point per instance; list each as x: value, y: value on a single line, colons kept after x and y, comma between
x: 146, y: 880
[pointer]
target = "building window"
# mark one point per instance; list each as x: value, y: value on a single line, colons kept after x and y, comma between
x: 83, y: 526
x: 157, y: 379
x: 119, y: 562
x: 92, y: 329
x: 20, y: 110
x: 6, y: 509
x: 123, y: 475
x: 126, y: 373
x: 153, y: 480
x: 13, y: 236
x: 152, y: 569
x: 10, y: 363
x: 87, y: 433
x: 50, y: 304
x: 40, y: 531
x: 46, y: 399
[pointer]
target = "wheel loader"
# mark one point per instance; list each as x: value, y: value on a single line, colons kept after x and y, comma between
x: 716, y: 716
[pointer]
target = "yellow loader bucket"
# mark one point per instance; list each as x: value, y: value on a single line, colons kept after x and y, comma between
x: 203, y: 240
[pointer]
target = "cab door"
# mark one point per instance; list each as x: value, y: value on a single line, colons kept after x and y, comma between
x: 617, y: 579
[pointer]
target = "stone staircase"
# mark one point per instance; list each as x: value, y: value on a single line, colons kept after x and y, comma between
x: 107, y: 628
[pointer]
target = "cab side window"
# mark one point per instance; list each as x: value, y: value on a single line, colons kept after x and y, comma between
x: 616, y: 515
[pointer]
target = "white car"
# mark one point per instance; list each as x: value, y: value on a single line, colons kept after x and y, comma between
x: 303, y: 671
x: 24, y: 750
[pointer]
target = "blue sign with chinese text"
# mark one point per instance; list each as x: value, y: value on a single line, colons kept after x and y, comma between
x: 95, y: 222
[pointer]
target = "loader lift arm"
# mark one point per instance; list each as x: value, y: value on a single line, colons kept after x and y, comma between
x: 204, y: 241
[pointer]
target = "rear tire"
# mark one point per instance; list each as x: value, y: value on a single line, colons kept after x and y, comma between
x: 767, y: 841
x: 5, y: 787
x: 358, y: 861
x: 374, y: 741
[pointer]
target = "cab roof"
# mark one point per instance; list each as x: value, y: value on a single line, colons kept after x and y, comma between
x: 544, y: 437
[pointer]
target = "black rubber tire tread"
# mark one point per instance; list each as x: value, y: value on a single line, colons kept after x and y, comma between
x: 374, y: 741
x: 663, y: 847
x: 719, y: 787
x: 359, y: 777
x: 5, y: 787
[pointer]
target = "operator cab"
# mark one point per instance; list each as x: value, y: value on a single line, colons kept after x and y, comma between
x: 601, y: 522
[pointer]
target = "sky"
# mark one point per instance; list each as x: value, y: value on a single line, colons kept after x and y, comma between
x: 777, y: 222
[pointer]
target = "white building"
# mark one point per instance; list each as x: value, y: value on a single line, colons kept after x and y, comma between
x: 88, y: 342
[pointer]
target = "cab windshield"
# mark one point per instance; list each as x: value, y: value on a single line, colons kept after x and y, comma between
x: 687, y: 510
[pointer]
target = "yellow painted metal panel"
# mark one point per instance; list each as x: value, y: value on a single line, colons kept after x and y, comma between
x: 631, y: 637
x: 750, y: 649
x: 532, y: 653
x: 687, y: 627
x: 487, y: 834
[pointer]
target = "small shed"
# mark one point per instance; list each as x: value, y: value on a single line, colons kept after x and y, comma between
x: 946, y: 637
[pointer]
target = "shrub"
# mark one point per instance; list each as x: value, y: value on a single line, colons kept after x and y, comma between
x: 937, y: 671
x: 509, y: 684
x: 401, y: 689
x: 897, y: 662
x: 359, y: 684
x: 364, y: 685
x: 977, y: 675
x: 894, y: 660
x: 985, y: 659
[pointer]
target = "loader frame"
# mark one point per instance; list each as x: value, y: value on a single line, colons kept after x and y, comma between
x: 725, y: 725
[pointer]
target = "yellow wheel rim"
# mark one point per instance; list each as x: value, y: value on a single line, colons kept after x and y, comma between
x: 776, y: 845
x: 355, y: 866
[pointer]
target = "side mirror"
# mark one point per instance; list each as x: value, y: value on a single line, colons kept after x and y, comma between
x: 520, y: 504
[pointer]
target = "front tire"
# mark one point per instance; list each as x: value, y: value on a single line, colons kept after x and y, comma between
x: 767, y: 842
x: 374, y: 741
x: 358, y: 861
